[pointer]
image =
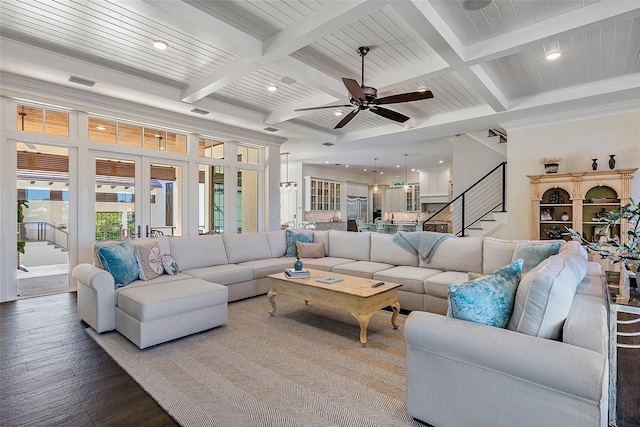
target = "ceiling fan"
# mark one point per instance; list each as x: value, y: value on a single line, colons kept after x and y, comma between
x: 366, y: 98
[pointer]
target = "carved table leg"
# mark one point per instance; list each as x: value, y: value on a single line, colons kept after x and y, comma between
x: 272, y: 299
x: 363, y: 320
x: 394, y: 317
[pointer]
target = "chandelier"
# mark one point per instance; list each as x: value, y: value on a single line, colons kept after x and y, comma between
x: 287, y: 186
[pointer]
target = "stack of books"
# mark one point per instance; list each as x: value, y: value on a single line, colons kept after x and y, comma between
x: 296, y: 274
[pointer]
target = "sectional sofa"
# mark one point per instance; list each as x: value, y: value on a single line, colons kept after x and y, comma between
x: 548, y: 368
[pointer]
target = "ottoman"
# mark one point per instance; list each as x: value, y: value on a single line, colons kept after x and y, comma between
x: 152, y: 314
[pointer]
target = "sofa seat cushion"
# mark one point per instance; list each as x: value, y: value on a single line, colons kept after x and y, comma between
x: 162, y: 300
x: 326, y: 263
x: 364, y: 269
x: 544, y: 298
x: 586, y: 324
x: 438, y: 284
x: 263, y: 267
x: 461, y: 254
x: 160, y: 279
x: 411, y: 278
x: 226, y: 274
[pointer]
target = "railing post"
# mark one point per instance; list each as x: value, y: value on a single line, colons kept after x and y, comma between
x: 462, y: 214
x: 504, y: 187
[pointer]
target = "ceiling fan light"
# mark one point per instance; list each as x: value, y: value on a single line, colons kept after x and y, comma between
x: 475, y: 4
x: 422, y: 89
x: 272, y: 88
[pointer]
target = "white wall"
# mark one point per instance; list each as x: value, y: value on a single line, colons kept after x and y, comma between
x: 471, y: 161
x: 575, y: 142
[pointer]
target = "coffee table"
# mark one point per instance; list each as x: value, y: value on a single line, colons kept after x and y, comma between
x: 353, y: 295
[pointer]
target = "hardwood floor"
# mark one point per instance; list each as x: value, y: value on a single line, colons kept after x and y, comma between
x: 53, y: 374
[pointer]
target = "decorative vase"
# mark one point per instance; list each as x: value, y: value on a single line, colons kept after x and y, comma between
x: 612, y: 161
x: 297, y: 266
x: 551, y: 167
x: 594, y: 165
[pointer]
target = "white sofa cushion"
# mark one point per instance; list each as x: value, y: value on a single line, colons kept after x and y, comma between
x: 461, y: 254
x: 326, y: 263
x: 586, y: 324
x: 384, y: 249
x: 225, y: 274
x: 322, y: 236
x: 591, y: 285
x: 364, y: 269
x: 411, y: 278
x: 246, y: 247
x: 438, y: 284
x: 198, y: 251
x: 544, y: 298
x: 263, y: 267
x: 496, y: 253
x: 277, y: 243
x: 347, y: 244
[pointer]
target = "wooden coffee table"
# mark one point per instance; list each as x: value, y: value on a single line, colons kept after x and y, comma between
x: 353, y: 295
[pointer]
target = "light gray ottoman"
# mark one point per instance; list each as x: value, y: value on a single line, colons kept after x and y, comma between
x: 153, y: 314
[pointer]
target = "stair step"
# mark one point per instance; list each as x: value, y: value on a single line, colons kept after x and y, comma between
x: 475, y: 228
x: 488, y: 220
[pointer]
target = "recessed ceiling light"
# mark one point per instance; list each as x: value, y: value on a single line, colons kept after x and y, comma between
x: 422, y: 89
x: 397, y: 166
x: 441, y: 161
x: 365, y: 169
x: 346, y: 166
x: 337, y: 113
x: 160, y: 45
x: 413, y: 170
x: 475, y: 4
x: 101, y: 127
x: 381, y: 173
x: 554, y: 54
x: 326, y: 162
x: 272, y: 88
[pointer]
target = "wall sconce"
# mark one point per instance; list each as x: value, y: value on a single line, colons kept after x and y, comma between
x: 612, y: 161
x: 594, y: 162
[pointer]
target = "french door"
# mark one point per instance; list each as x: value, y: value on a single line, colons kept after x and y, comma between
x: 138, y: 196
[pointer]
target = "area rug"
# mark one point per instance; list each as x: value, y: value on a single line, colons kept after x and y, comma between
x: 303, y: 367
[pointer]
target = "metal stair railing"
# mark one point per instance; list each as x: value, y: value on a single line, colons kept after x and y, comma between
x: 41, y: 231
x: 486, y: 195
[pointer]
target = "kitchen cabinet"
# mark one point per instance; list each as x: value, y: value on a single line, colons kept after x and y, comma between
x: 434, y: 185
x: 357, y: 189
x: 578, y: 200
x: 321, y: 195
x: 395, y: 200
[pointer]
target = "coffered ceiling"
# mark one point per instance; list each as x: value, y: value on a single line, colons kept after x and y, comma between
x: 485, y: 67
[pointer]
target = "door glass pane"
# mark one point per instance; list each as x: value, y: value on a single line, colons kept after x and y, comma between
x: 43, y: 218
x: 247, y: 201
x: 166, y: 200
x: 115, y: 197
x: 211, y: 199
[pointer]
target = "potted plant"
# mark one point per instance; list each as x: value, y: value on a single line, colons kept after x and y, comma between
x: 550, y: 164
x: 611, y: 248
x: 22, y: 231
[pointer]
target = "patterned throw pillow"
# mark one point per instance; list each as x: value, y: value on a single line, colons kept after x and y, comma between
x: 297, y: 236
x: 120, y: 260
x: 149, y: 260
x: 533, y: 252
x: 170, y: 265
x: 310, y: 250
x: 487, y: 300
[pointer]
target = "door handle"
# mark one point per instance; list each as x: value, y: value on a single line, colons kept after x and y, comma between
x: 138, y: 232
x: 147, y: 228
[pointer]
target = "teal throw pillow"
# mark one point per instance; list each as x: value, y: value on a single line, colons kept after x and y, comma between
x: 297, y: 236
x: 487, y: 300
x: 120, y: 260
x: 533, y: 253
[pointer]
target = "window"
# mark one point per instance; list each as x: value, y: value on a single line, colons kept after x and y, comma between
x: 210, y: 148
x: 42, y: 120
x: 114, y: 132
x: 247, y: 154
x: 247, y: 201
x: 211, y: 199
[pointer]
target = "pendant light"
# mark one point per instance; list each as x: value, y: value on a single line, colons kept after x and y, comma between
x: 407, y: 188
x: 287, y: 186
x: 375, y: 173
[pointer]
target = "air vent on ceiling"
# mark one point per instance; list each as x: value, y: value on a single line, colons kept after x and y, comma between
x: 270, y: 129
x: 328, y: 144
x: 337, y: 164
x: 81, y: 81
x: 200, y: 111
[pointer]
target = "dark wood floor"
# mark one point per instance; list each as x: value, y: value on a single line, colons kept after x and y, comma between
x: 53, y: 374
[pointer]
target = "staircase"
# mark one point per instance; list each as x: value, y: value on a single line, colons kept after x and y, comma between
x: 480, y: 210
x: 43, y: 253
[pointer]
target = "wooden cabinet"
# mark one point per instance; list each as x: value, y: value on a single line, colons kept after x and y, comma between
x: 321, y: 195
x: 357, y: 189
x: 578, y: 200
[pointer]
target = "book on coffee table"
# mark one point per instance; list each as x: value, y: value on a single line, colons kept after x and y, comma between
x: 296, y: 274
x: 329, y: 280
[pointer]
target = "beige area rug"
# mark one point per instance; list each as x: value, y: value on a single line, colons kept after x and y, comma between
x: 303, y: 367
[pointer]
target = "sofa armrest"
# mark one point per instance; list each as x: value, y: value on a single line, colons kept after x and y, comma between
x: 96, y: 297
x: 543, y: 381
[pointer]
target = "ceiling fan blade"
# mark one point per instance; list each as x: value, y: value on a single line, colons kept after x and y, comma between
x: 354, y: 89
x: 389, y: 114
x: 320, y: 108
x: 403, y: 97
x: 347, y: 119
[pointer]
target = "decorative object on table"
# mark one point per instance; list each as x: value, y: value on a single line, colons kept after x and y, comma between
x: 546, y: 214
x: 297, y: 274
x: 553, y: 232
x: 612, y: 161
x: 611, y: 248
x: 297, y: 266
x: 565, y: 216
x: 329, y: 280
x: 556, y: 198
x: 594, y: 162
x: 550, y: 164
x: 602, y: 216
